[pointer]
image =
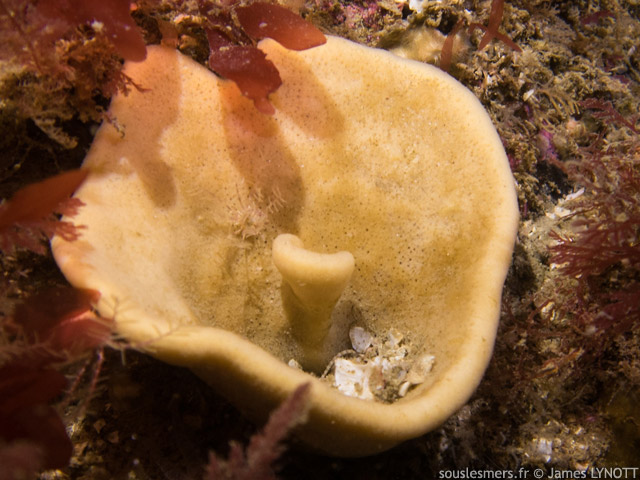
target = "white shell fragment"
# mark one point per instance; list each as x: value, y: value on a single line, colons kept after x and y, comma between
x: 353, y: 378
x: 360, y: 339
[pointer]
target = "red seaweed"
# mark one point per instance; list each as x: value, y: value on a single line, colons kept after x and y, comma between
x: 447, y: 47
x: 264, y: 20
x: 62, y: 319
x: 113, y: 15
x: 600, y: 250
x: 46, y: 330
x: 68, y: 55
x: 29, y: 215
x: 256, y: 461
x: 234, y: 55
x: 247, y: 67
x: 491, y: 30
x: 27, y: 419
x: 595, y: 17
x: 605, y: 111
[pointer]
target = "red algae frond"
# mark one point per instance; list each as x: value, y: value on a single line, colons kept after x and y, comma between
x: 491, y: 30
x: 258, y: 458
x: 28, y: 216
x: 234, y: 55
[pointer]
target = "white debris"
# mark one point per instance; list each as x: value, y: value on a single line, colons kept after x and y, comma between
x: 394, y: 337
x: 420, y: 369
x: 417, y: 5
x: 543, y: 447
x: 353, y: 378
x: 558, y: 212
x: 404, y: 388
x: 376, y: 369
x: 97, y: 26
x: 574, y: 195
x: 294, y: 364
